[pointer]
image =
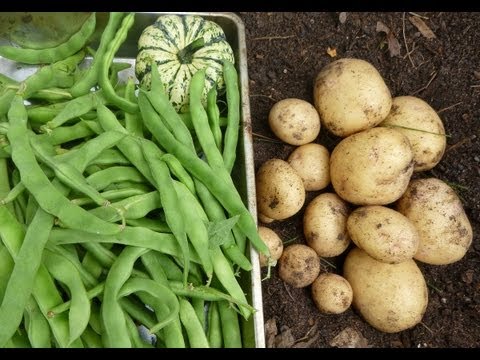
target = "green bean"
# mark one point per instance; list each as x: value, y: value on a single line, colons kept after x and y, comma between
x: 191, y: 323
x: 100, y: 180
x: 92, y: 293
x: 22, y: 279
x: 113, y: 195
x: 137, y: 341
x: 36, y: 325
x: 233, y: 100
x: 57, y: 74
x: 18, y: 212
x: 133, y: 122
x: 214, y: 333
x: 34, y: 179
x: 106, y: 62
x: 6, y: 267
x: 63, y: 134
x: 67, y: 173
x: 18, y: 340
x: 115, y: 68
x: 90, y: 78
x: 159, y: 292
x: 91, y: 339
x: 5, y: 185
x: 214, y: 117
x: 95, y: 321
x: 109, y: 157
x: 104, y: 257
x: 133, y: 236
x: 174, y: 213
x: 224, y: 191
x: 52, y: 94
x: 151, y: 224
x: 115, y: 330
x: 128, y: 146
x: 51, y: 55
x: 5, y: 100
x: 232, y: 337
x: 92, y: 265
x: 138, y: 311
x: 44, y: 113
x: 74, y: 109
x: 179, y: 171
x: 198, y: 305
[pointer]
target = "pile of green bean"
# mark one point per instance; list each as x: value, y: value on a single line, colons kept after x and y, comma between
x: 117, y: 213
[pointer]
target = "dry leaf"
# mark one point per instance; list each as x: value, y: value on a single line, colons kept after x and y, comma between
x: 393, y: 44
x: 270, y: 332
x: 422, y: 27
x: 285, y: 339
x: 349, y: 338
x: 342, y: 17
x: 476, y: 74
x: 332, y: 52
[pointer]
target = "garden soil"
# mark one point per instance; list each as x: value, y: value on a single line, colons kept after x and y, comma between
x: 436, y: 59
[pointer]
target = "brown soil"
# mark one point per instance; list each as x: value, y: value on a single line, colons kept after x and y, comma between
x: 285, y: 52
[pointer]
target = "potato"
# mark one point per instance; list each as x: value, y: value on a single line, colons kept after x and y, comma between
x: 312, y: 163
x: 280, y: 190
x: 372, y: 167
x: 331, y: 293
x: 265, y: 219
x: 390, y: 297
x: 274, y: 243
x: 299, y: 265
x: 409, y: 112
x: 294, y: 121
x: 325, y: 225
x: 385, y: 234
x: 437, y: 213
x: 350, y: 96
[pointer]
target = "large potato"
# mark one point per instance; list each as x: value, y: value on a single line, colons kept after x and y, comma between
x: 294, y: 121
x: 280, y: 190
x: 350, y: 96
x: 312, y: 163
x: 372, y: 167
x: 437, y: 213
x: 299, y: 265
x: 385, y: 234
x: 391, y: 297
x: 325, y: 225
x: 420, y: 123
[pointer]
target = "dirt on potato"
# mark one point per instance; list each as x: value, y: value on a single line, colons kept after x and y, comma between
x: 433, y: 56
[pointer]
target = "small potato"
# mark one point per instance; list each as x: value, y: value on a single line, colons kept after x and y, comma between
x: 299, y: 265
x: 351, y: 96
x: 372, y: 167
x: 312, y: 163
x: 265, y: 219
x: 437, y: 213
x: 332, y: 294
x: 274, y: 243
x: 409, y: 112
x: 280, y: 190
x: 385, y: 234
x: 294, y: 121
x: 325, y: 225
x: 390, y: 297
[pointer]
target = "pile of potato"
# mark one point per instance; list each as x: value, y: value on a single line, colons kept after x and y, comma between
x: 391, y: 219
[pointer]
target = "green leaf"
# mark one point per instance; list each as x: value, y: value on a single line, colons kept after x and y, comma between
x: 218, y: 230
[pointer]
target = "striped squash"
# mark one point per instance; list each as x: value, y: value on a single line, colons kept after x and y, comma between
x: 181, y: 45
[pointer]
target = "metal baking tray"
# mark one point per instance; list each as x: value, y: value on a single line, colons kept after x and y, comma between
x: 243, y: 172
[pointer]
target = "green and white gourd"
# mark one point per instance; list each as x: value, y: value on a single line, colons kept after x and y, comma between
x: 182, y: 45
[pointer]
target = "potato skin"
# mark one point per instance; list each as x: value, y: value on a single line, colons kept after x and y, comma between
x: 274, y: 243
x: 372, y: 167
x: 312, y: 163
x: 325, y: 225
x: 280, y: 190
x: 437, y: 213
x: 332, y: 293
x: 390, y: 297
x: 385, y: 234
x: 294, y: 121
x: 299, y: 265
x: 350, y: 96
x: 412, y: 112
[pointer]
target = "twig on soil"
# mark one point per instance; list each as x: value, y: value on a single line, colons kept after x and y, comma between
x: 426, y: 86
x: 434, y: 288
x: 265, y: 96
x: 475, y: 86
x: 272, y: 37
x: 290, y: 240
x: 449, y: 107
x: 418, y: 15
x: 405, y: 41
x: 266, y: 138
x: 411, y: 51
x: 288, y: 291
x: 426, y: 327
x: 460, y: 143
x: 328, y: 263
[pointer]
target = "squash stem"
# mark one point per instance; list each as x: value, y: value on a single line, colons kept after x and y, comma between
x: 185, y: 55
